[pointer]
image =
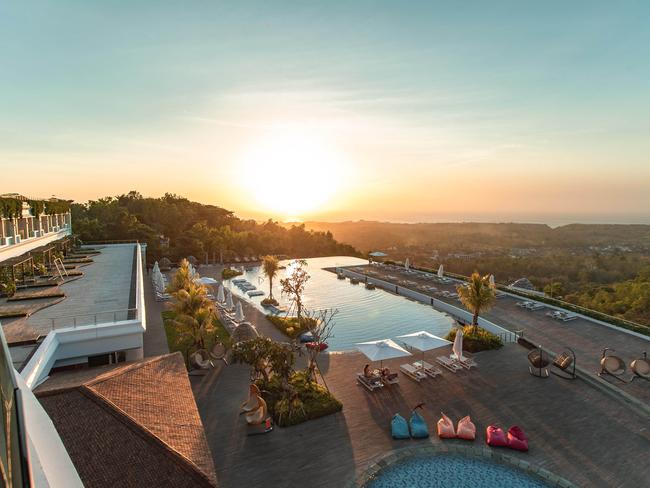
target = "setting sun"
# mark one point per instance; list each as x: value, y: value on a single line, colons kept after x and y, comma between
x: 291, y: 172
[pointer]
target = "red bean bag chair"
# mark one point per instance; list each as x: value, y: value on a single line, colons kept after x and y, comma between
x: 517, y: 439
x: 446, y: 428
x: 466, y: 429
x: 495, y: 436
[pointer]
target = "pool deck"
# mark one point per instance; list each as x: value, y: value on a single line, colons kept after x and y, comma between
x: 575, y: 431
x: 586, y: 337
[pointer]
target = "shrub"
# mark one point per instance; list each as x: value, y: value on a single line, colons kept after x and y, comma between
x: 290, y: 326
x: 8, y: 288
x: 228, y: 273
x: 481, y: 340
x: 184, y: 344
x: 310, y: 401
x: 270, y: 301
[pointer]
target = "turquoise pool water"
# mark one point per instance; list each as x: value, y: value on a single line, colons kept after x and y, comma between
x: 364, y: 315
x: 449, y: 471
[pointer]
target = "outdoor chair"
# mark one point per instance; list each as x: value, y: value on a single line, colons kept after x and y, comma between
x: 201, y: 360
x: 641, y: 367
x: 564, y: 362
x: 412, y: 372
x: 427, y: 368
x: 369, y: 383
x: 612, y: 365
x: 539, y: 362
x: 448, y: 363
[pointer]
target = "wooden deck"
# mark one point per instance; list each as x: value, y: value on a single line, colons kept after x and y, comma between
x: 575, y: 431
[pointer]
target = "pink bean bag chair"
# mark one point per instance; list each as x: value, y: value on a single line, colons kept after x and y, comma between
x: 495, y: 436
x: 466, y: 429
x: 446, y: 428
x: 517, y: 439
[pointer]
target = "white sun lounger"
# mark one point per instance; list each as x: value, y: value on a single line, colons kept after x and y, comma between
x: 464, y: 361
x: 410, y: 371
x: 427, y: 368
x: 447, y: 362
x: 371, y: 384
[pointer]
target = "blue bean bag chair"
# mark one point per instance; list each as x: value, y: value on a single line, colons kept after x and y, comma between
x: 419, y: 428
x: 399, y: 427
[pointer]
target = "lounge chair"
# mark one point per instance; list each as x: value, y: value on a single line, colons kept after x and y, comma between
x: 399, y: 427
x: 612, y: 365
x: 450, y: 364
x: 495, y: 437
x: 517, y: 439
x: 567, y: 317
x: 536, y: 306
x: 218, y: 353
x: 413, y: 373
x: 428, y: 369
x: 446, y: 428
x: 388, y: 378
x: 464, y: 361
x: 641, y: 367
x: 466, y: 429
x: 201, y: 360
x: 418, y: 426
x: 563, y: 362
x: 539, y: 362
x: 370, y: 383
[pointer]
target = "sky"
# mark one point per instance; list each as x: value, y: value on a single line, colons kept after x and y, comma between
x: 337, y: 110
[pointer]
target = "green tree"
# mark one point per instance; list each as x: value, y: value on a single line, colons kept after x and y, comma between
x: 294, y: 284
x: 554, y: 289
x: 477, y: 296
x: 270, y: 266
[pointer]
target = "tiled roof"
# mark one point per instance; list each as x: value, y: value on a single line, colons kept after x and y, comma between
x: 135, y: 425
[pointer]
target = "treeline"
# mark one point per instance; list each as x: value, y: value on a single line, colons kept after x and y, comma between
x: 174, y: 227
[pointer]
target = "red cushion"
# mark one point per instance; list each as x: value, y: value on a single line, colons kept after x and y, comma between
x: 495, y: 436
x: 466, y: 429
x: 517, y: 439
x: 446, y: 428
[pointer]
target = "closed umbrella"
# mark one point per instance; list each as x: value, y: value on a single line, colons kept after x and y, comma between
x: 407, y: 264
x: 239, y: 313
x: 492, y: 282
x: 441, y: 271
x: 220, y: 295
x: 229, y: 303
x: 423, y: 341
x: 382, y: 349
x: 457, y: 348
x: 378, y: 254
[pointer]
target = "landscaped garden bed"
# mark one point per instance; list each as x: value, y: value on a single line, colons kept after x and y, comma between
x: 310, y: 401
x: 481, y: 340
x: 290, y: 326
x: 184, y: 343
x: 228, y: 273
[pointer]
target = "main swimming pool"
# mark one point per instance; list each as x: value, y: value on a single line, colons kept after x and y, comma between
x: 364, y: 315
x: 452, y: 471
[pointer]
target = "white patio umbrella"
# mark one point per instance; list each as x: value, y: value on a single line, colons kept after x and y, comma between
x: 205, y: 280
x: 239, y: 314
x: 382, y: 349
x: 220, y: 295
x: 423, y: 341
x: 441, y: 271
x: 156, y: 268
x: 492, y: 282
x: 457, y: 348
x: 407, y: 264
x: 229, y: 303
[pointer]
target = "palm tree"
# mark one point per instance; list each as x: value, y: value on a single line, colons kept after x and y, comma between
x: 193, y: 312
x: 477, y: 296
x: 181, y: 279
x: 270, y: 266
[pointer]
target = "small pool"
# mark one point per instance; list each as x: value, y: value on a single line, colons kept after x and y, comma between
x: 452, y: 471
x: 364, y: 315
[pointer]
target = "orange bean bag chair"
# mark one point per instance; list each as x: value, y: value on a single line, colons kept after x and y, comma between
x: 517, y: 439
x: 466, y: 429
x: 446, y: 428
x: 495, y: 436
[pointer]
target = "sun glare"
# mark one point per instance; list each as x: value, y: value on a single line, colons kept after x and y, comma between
x: 291, y: 172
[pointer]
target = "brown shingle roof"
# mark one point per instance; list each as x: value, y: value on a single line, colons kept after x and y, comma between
x: 135, y: 425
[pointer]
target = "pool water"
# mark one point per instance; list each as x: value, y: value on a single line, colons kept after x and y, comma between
x: 364, y: 315
x: 451, y: 471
